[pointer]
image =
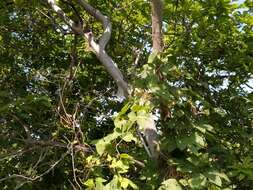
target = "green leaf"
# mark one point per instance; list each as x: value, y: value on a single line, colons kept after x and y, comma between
x: 99, y: 183
x: 114, y: 184
x: 125, y: 156
x: 128, y: 137
x: 101, y: 146
x: 204, y: 127
x: 105, y: 142
x: 132, y: 184
x: 126, y: 183
x: 215, y: 179
x: 198, y: 182
x: 90, y: 184
x: 147, y: 70
x: 220, y: 111
x: 195, y: 141
x: 171, y: 184
x: 152, y: 57
x: 184, y: 182
x: 220, y: 174
x: 145, y: 120
x: 199, y: 140
x: 132, y: 116
x: 124, y: 109
x: 121, y: 165
x: 119, y: 123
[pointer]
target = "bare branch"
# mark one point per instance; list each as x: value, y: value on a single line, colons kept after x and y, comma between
x: 73, y: 166
x: 73, y: 186
x: 26, y: 128
x: 75, y: 27
x: 249, y: 86
x: 74, y: 9
x: 144, y: 142
x: 114, y: 71
x: 55, y: 26
x: 104, y: 39
x: 77, y: 147
x: 99, y: 49
x: 43, y: 155
x: 39, y: 176
x: 16, y: 153
x: 110, y: 66
x: 139, y: 163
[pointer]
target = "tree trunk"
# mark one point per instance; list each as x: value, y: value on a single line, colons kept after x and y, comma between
x: 150, y: 132
x: 157, y: 9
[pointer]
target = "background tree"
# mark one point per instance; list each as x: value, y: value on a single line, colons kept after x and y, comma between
x: 188, y: 69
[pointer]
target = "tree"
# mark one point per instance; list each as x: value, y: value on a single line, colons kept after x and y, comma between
x: 183, y: 71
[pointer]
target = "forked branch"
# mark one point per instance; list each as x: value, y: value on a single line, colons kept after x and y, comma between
x: 98, y: 48
x: 104, y: 39
x: 75, y: 27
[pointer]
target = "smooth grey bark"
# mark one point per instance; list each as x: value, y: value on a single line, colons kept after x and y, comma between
x: 98, y: 48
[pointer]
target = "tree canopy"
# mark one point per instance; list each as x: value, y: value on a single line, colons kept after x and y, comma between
x: 133, y: 94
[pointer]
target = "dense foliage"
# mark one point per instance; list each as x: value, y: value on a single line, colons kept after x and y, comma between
x: 63, y: 127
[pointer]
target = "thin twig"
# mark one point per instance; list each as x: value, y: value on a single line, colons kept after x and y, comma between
x: 74, y: 9
x: 39, y: 176
x: 53, y: 21
x: 249, y: 86
x: 20, y: 185
x: 16, y: 153
x: 26, y: 128
x: 75, y: 27
x: 143, y: 142
x: 40, y: 144
x: 41, y: 158
x: 72, y: 185
x: 139, y: 163
x: 116, y: 147
x: 73, y: 167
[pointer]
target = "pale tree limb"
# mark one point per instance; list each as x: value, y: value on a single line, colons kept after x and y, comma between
x: 75, y: 27
x: 98, y: 48
x: 104, y: 39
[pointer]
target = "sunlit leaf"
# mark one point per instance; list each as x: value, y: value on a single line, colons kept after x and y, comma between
x: 170, y: 184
